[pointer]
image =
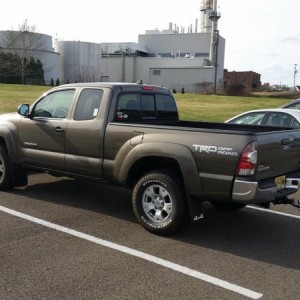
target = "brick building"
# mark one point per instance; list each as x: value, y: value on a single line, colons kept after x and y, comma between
x: 241, y: 82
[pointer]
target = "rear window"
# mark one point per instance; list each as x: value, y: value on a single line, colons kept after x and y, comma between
x: 135, y: 106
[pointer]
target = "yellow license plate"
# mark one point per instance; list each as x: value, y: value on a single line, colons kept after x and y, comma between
x: 280, y: 181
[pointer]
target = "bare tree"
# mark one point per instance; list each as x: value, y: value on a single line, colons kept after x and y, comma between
x: 25, y: 43
x: 86, y: 74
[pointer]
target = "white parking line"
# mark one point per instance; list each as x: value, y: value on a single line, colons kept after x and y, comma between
x: 274, y: 212
x: 184, y: 270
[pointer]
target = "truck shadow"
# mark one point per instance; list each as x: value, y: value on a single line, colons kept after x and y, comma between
x: 246, y: 233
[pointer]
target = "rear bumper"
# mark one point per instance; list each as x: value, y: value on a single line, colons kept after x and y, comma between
x: 248, y: 192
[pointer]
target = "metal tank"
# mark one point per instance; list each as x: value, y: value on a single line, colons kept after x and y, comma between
x: 43, y: 50
x: 80, y: 61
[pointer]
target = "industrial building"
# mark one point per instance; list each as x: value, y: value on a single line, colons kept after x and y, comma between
x: 41, y: 48
x: 171, y: 58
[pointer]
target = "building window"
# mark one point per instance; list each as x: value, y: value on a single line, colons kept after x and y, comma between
x: 203, y: 54
x: 156, y: 72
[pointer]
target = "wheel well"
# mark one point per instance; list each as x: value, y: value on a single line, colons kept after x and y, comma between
x: 3, y: 144
x: 148, y: 164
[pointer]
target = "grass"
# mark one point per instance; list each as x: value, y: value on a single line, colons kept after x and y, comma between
x: 220, y: 108
x: 12, y: 95
x: 191, y: 106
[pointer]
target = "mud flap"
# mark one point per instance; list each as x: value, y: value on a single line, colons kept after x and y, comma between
x: 19, y: 176
x: 195, y: 206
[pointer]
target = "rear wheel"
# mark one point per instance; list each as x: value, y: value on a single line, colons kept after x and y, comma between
x: 158, y: 202
x: 6, y: 181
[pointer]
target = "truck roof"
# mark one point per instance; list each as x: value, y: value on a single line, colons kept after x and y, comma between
x: 124, y: 86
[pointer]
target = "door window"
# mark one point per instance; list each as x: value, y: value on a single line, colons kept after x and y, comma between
x: 55, y: 105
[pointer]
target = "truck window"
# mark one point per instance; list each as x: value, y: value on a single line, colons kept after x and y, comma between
x: 134, y: 106
x: 166, y: 107
x: 54, y: 105
x: 88, y: 104
x: 148, y: 106
x: 128, y: 107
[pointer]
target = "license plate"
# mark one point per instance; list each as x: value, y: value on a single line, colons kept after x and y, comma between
x: 280, y: 181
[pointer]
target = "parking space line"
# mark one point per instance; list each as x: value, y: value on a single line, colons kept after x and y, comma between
x: 274, y: 212
x: 150, y: 258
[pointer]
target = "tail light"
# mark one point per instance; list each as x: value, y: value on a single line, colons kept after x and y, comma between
x: 248, y: 160
x: 147, y: 88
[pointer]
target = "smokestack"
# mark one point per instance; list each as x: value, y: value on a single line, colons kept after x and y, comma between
x: 214, y: 17
x: 206, y: 8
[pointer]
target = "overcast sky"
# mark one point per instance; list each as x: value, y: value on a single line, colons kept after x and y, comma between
x: 261, y: 35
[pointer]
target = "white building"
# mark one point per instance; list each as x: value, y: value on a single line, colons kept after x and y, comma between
x: 42, y: 50
x: 174, y: 60
x: 193, y: 61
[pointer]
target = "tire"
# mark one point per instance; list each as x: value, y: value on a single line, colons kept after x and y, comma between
x: 228, y: 206
x: 158, y: 203
x: 6, y: 181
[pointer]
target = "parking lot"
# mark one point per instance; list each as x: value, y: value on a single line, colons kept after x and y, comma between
x: 69, y: 239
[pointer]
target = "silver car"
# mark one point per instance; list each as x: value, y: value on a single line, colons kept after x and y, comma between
x: 281, y: 117
x: 295, y: 104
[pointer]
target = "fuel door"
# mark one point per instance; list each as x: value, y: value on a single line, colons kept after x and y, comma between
x: 136, y: 138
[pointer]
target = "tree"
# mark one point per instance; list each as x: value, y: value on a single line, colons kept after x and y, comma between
x: 9, y: 70
x: 23, y: 44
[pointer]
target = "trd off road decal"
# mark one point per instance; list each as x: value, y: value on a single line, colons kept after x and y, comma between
x: 215, y: 149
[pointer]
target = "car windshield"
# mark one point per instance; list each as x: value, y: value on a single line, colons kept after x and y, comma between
x: 254, y: 118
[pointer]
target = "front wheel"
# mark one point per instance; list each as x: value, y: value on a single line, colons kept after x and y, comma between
x: 158, y: 202
x: 6, y: 181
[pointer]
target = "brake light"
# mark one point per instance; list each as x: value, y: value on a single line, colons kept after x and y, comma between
x: 147, y: 88
x: 248, y: 160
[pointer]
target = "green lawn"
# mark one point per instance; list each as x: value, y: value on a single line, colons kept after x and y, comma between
x: 191, y: 106
x: 12, y: 95
x: 220, y: 108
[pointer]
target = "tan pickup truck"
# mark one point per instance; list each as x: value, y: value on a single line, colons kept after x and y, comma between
x: 131, y: 135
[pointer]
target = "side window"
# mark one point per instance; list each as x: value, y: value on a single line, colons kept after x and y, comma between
x: 88, y: 104
x: 54, y: 105
x: 279, y: 119
x: 295, y: 123
x: 128, y: 107
x: 166, y: 107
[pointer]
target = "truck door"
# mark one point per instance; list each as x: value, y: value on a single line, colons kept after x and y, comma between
x: 42, y: 135
x: 84, y: 136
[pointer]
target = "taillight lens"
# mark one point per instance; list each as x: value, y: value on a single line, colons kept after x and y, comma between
x: 248, y: 160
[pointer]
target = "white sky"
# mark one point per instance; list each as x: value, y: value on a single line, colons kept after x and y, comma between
x: 261, y: 35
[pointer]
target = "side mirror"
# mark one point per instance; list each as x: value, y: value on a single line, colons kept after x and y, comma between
x: 23, y: 109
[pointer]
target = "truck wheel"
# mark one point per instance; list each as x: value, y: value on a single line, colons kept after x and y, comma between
x: 5, y: 170
x: 158, y: 203
x: 228, y: 206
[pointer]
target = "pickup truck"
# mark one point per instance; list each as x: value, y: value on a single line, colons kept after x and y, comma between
x: 131, y: 135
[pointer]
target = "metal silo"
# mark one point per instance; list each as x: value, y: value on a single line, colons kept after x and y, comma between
x: 80, y: 61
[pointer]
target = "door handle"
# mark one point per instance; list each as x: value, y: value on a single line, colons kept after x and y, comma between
x: 285, y: 142
x: 59, y: 129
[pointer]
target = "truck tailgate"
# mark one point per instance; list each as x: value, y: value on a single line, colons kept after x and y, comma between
x: 278, y: 153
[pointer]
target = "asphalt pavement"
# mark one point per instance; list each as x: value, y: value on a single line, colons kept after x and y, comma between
x: 62, y: 238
